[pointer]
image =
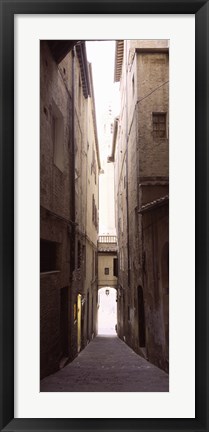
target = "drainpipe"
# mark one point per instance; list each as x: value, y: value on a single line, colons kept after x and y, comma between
x: 127, y: 173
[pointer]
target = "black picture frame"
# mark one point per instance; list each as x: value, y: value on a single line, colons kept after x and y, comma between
x: 7, y: 11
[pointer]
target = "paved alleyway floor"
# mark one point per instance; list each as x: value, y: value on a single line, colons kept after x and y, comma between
x: 107, y: 365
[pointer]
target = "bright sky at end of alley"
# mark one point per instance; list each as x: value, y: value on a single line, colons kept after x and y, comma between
x: 101, y: 54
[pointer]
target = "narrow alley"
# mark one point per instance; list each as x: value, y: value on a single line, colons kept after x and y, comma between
x: 107, y: 365
x: 104, y: 216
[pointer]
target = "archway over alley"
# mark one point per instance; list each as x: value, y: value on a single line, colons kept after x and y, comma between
x: 107, y: 311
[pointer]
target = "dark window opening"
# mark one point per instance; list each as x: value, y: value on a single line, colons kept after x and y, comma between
x: 115, y: 267
x: 94, y: 213
x: 49, y: 256
x: 106, y: 271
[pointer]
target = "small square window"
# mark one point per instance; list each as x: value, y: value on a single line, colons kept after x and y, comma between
x: 106, y: 271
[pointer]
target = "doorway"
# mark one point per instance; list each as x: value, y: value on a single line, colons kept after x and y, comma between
x: 107, y: 311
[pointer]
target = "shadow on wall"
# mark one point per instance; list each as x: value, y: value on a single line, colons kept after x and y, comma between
x: 107, y: 311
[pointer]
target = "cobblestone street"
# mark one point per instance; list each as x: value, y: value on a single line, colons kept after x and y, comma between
x: 107, y: 365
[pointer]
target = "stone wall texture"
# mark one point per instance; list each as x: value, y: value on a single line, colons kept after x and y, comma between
x: 69, y: 169
x: 141, y: 163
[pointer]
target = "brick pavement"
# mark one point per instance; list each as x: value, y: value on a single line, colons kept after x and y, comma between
x: 107, y: 365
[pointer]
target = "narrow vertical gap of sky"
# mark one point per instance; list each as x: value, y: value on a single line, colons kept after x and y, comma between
x: 101, y: 54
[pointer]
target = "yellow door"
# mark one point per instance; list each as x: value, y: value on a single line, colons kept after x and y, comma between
x: 79, y: 321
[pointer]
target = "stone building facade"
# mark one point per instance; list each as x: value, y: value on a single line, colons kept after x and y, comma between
x: 69, y: 169
x: 140, y: 154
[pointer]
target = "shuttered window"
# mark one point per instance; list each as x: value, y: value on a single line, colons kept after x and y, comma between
x: 159, y: 125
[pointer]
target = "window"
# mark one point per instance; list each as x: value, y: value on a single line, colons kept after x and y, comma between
x: 58, y: 137
x: 115, y: 267
x: 94, y: 213
x: 49, y: 256
x: 106, y: 271
x: 159, y: 125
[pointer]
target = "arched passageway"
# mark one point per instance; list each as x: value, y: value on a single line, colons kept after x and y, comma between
x: 107, y: 311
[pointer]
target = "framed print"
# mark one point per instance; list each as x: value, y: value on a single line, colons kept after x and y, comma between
x: 61, y: 263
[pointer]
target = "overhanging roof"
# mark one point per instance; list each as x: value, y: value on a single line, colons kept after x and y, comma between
x: 153, y: 204
x: 60, y: 48
x: 94, y: 116
x: 118, y: 59
x: 82, y: 58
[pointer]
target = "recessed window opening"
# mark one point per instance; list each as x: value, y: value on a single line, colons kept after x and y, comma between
x: 159, y: 124
x: 49, y: 253
x: 115, y: 267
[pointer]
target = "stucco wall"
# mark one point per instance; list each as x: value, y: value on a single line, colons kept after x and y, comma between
x: 106, y: 261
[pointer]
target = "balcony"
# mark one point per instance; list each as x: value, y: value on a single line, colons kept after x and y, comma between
x: 107, y: 243
x: 107, y: 239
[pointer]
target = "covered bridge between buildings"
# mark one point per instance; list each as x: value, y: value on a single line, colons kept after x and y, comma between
x: 107, y: 262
